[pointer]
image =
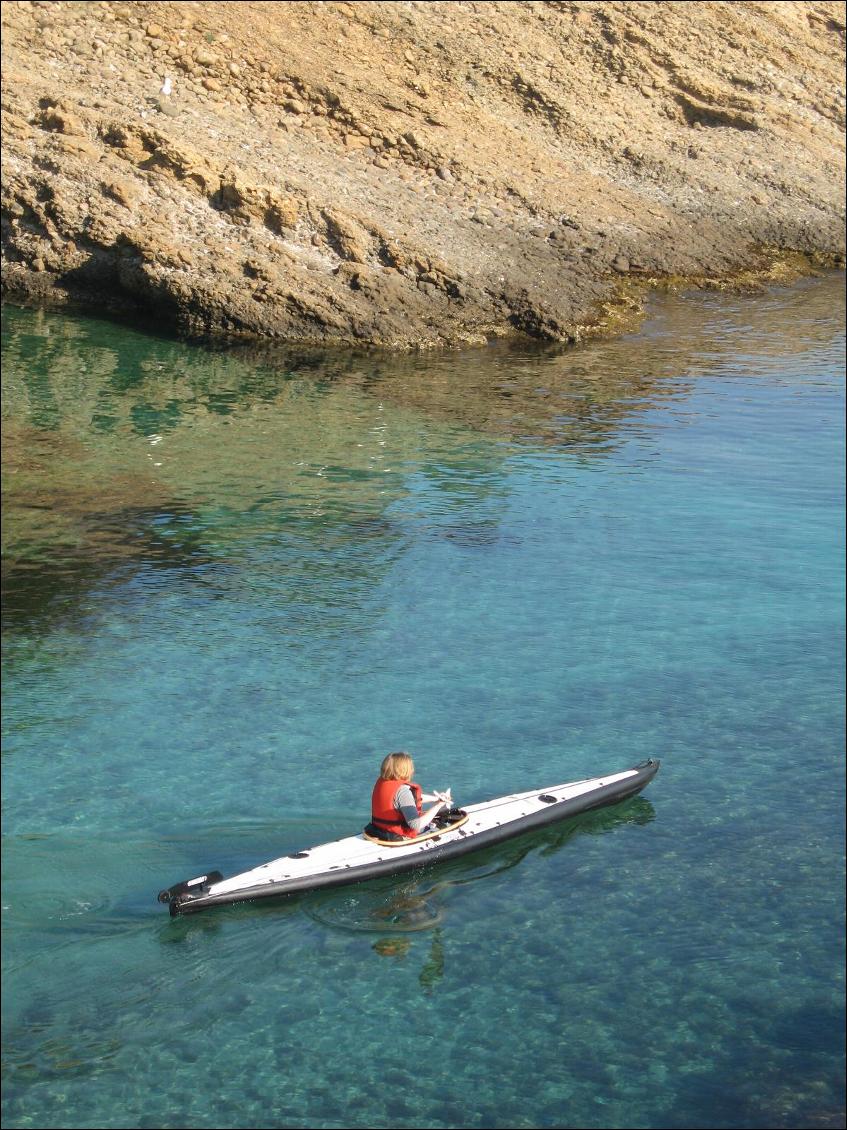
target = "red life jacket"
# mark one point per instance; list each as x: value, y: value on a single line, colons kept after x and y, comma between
x: 383, y: 813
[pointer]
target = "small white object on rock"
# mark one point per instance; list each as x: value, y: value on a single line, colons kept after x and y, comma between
x: 166, y: 86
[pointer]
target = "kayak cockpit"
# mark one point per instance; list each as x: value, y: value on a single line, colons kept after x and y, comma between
x: 443, y: 823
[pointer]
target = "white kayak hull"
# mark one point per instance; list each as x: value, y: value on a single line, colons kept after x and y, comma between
x: 356, y: 859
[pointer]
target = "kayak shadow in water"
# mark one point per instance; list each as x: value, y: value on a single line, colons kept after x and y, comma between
x: 432, y: 969
x: 397, y: 909
x: 398, y: 906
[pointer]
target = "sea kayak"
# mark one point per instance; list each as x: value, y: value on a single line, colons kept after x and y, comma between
x: 459, y: 831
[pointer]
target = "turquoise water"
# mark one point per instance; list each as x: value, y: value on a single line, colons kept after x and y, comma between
x: 233, y: 581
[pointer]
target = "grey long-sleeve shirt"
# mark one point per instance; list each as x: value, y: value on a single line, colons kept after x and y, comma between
x: 404, y: 802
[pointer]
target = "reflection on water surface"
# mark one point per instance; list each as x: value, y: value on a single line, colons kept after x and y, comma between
x: 123, y: 451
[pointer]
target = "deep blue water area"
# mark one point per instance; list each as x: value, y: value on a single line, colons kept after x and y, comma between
x: 233, y: 580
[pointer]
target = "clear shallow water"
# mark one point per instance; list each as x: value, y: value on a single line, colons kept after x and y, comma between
x: 233, y: 581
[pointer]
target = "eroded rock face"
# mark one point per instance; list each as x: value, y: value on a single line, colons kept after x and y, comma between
x: 412, y: 174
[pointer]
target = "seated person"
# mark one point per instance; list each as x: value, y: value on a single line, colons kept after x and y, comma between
x: 397, y: 802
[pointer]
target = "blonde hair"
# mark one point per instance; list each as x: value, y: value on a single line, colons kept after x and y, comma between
x: 397, y: 767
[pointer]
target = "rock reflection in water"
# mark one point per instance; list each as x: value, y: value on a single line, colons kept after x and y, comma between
x: 125, y: 454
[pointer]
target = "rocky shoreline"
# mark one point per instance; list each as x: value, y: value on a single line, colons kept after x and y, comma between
x: 414, y: 175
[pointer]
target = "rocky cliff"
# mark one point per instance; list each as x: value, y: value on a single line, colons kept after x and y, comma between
x: 413, y: 174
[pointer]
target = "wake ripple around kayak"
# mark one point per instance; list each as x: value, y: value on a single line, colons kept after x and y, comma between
x: 55, y: 891
x: 58, y: 910
x: 368, y: 911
